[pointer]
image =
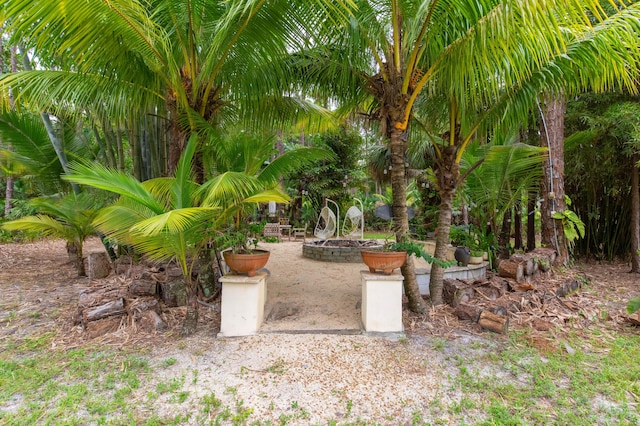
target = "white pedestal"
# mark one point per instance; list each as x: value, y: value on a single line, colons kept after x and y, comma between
x: 242, y: 307
x: 382, y: 302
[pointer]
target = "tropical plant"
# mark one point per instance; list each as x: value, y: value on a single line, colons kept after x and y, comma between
x: 187, y: 61
x: 633, y: 305
x: 172, y: 218
x: 68, y: 217
x: 466, y: 66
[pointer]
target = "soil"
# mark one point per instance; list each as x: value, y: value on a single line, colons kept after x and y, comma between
x: 312, y: 327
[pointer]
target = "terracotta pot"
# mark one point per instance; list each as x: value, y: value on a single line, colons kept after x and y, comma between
x: 475, y: 260
x: 386, y: 261
x: 240, y: 263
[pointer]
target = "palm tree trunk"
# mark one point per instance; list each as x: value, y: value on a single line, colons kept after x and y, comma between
x: 517, y: 226
x: 531, y: 221
x: 401, y: 219
x: 447, y: 172
x: 79, y: 259
x: 55, y: 140
x: 635, y: 215
x: 504, y: 238
x: 190, y: 323
x: 10, y: 183
x: 442, y: 244
x: 552, y: 138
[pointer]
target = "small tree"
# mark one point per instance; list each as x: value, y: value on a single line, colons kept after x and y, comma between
x: 70, y: 218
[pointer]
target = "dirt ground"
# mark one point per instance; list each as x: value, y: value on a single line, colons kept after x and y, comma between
x: 332, y: 370
x: 40, y: 288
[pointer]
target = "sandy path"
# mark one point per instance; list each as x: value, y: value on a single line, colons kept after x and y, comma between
x: 304, y: 294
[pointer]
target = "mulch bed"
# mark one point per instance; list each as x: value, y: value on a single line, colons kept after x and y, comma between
x: 40, y: 295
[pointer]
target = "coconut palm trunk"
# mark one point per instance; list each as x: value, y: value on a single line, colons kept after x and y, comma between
x: 400, y: 217
x: 448, y: 174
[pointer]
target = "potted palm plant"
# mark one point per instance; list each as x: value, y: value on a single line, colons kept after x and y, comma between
x: 240, y: 249
x: 394, y: 254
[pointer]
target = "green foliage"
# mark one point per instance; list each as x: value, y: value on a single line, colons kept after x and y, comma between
x: 327, y: 179
x: 417, y: 250
x: 572, y: 225
x: 602, y: 132
x: 633, y: 305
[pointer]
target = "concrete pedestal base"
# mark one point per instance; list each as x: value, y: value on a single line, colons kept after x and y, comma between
x: 242, y: 307
x: 382, y: 302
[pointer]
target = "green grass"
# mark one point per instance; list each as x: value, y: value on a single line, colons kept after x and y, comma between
x: 599, y: 383
x: 379, y: 236
x: 506, y: 382
x: 44, y: 386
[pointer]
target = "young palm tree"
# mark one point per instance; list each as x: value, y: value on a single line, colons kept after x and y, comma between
x: 460, y: 63
x: 172, y: 218
x: 70, y: 218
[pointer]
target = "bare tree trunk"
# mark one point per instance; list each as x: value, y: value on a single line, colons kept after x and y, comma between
x: 447, y: 172
x: 53, y: 137
x: 517, y: 226
x: 635, y: 215
x: 552, y: 138
x: 10, y: 183
x: 531, y: 221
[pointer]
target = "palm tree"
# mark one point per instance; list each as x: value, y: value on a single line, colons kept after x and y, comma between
x: 187, y: 60
x: 460, y: 64
x: 172, y: 218
x: 69, y: 217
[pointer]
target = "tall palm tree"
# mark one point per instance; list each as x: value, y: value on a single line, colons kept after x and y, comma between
x: 187, y: 60
x: 460, y: 63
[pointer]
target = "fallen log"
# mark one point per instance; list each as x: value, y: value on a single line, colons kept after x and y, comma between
x: 510, y: 269
x: 493, y: 322
x: 143, y: 288
x: 113, y: 308
x: 455, y: 292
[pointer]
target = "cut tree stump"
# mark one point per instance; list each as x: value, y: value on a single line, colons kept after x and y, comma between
x: 103, y: 326
x: 455, y: 292
x: 544, y: 257
x: 173, y: 293
x: 143, y: 288
x: 528, y: 263
x: 150, y: 320
x: 468, y: 312
x: 511, y: 269
x: 493, y: 322
x: 98, y: 265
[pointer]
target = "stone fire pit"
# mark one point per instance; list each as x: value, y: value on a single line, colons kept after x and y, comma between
x: 338, y: 251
